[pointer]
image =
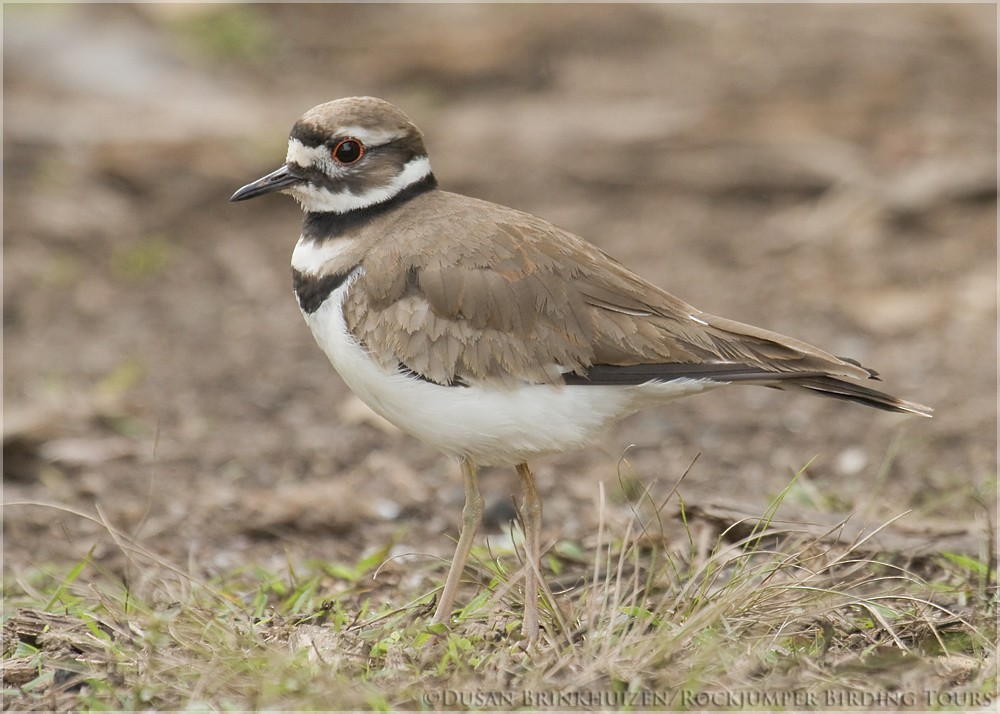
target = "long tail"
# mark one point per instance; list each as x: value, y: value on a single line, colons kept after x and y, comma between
x: 841, y: 389
x: 814, y: 382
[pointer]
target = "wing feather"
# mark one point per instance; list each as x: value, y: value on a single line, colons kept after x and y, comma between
x: 483, y: 294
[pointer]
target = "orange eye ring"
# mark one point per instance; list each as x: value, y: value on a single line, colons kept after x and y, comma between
x: 348, y: 151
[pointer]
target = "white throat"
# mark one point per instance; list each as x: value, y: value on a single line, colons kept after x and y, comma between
x: 318, y: 199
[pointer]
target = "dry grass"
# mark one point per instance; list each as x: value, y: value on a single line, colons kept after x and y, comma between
x: 775, y: 620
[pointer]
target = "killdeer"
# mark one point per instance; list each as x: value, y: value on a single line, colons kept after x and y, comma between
x: 491, y: 334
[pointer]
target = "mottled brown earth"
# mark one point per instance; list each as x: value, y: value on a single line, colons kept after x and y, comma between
x: 824, y: 171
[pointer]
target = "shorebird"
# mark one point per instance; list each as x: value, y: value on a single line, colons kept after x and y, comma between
x: 491, y: 334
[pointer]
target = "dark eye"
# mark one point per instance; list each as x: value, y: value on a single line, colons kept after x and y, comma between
x: 348, y: 151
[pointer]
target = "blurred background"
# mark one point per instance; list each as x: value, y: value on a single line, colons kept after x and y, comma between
x: 828, y: 172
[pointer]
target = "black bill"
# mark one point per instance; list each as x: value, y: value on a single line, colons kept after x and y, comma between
x: 274, y: 181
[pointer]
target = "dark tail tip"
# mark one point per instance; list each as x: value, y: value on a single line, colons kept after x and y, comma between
x: 840, y: 389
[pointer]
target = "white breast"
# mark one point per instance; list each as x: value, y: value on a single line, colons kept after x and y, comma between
x: 488, y: 426
x: 312, y: 256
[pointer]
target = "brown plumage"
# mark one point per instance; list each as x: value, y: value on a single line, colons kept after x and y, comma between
x: 481, y: 294
x: 489, y: 333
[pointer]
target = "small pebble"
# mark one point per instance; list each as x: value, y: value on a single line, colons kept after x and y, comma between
x: 852, y: 460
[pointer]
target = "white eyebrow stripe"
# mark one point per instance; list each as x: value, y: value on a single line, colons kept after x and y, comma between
x: 367, y: 137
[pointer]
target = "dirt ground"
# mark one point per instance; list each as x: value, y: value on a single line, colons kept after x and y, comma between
x: 828, y: 172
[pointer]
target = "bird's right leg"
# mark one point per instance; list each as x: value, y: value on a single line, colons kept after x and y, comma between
x: 472, y: 516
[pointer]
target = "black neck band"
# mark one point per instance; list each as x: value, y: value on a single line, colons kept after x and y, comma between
x: 320, y: 226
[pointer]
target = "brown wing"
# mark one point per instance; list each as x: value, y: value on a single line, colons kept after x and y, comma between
x: 484, y: 294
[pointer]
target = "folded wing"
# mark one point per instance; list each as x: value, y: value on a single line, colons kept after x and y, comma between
x: 528, y: 302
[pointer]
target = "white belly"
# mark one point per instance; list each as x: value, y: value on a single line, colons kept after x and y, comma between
x: 489, y: 427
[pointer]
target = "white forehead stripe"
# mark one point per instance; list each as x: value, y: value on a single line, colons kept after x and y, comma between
x: 318, y: 199
x: 311, y: 256
x: 299, y: 153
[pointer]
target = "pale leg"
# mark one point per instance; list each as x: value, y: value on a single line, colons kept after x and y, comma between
x: 531, y: 516
x: 472, y: 516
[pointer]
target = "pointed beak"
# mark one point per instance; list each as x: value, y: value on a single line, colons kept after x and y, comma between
x: 283, y: 178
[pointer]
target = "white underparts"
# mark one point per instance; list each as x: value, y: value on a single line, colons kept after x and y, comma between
x: 490, y: 426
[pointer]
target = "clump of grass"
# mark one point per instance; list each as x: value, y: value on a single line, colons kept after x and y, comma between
x: 629, y: 622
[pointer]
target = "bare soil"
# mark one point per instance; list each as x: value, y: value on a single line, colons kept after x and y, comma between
x: 828, y: 172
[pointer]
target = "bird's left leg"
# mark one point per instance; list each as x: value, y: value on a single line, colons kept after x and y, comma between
x: 531, y: 515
